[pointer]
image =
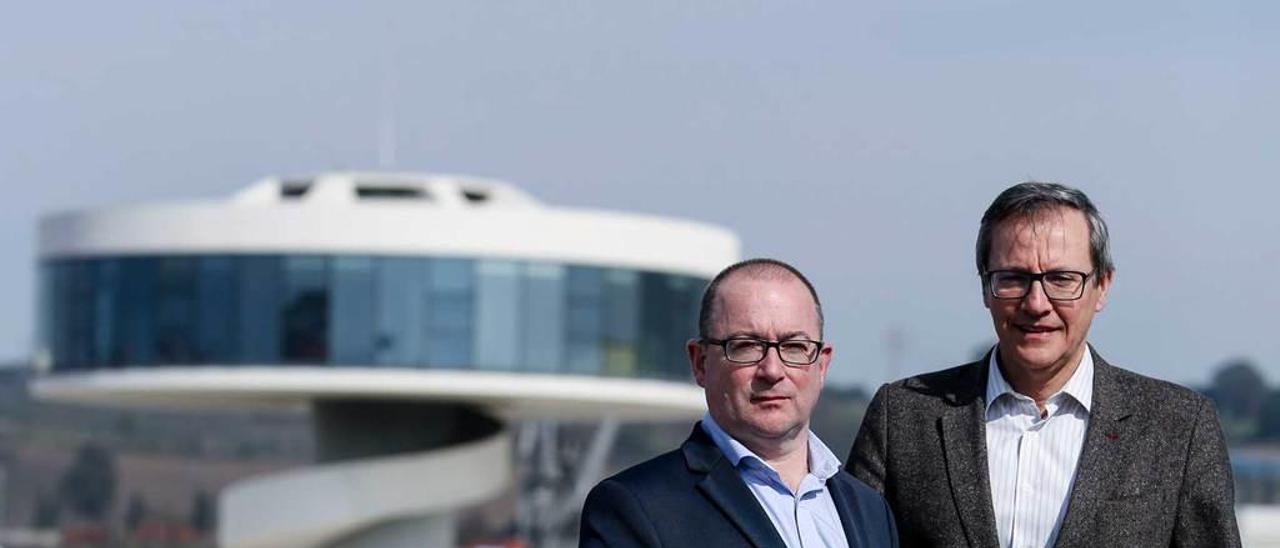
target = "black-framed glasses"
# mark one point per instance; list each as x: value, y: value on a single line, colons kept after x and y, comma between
x: 1058, y: 285
x: 792, y: 352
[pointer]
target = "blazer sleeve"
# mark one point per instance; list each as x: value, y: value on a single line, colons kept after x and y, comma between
x: 870, y: 448
x: 613, y: 516
x: 1206, y: 502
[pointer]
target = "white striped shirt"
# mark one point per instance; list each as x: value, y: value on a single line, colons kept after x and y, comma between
x: 1032, y: 461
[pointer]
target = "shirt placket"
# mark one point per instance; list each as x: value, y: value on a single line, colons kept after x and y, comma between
x: 795, y: 516
x: 806, y: 527
x: 775, y: 481
x: 1030, y: 450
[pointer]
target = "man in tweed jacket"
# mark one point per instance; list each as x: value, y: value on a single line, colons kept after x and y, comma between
x: 1042, y: 442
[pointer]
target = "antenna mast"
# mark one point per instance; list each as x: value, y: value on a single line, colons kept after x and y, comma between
x: 387, y: 115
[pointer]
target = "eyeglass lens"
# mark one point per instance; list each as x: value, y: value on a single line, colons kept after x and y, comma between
x: 753, y: 350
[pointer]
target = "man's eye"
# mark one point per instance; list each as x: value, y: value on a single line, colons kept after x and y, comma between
x: 1011, y: 280
x: 794, y: 346
x: 1061, y: 279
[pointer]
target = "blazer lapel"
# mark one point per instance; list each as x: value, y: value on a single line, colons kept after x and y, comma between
x: 964, y: 446
x: 1111, y: 424
x: 725, y: 489
x: 846, y: 506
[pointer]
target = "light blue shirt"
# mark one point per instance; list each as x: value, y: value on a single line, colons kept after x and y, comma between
x: 807, y: 518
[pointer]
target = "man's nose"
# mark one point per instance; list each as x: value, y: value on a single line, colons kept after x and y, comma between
x: 1037, y: 301
x: 770, y: 367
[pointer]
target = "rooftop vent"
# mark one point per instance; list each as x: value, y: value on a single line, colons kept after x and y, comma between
x: 475, y: 195
x: 378, y: 189
x: 390, y: 192
x: 294, y: 189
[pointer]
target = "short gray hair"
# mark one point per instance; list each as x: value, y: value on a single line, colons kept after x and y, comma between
x: 1025, y: 200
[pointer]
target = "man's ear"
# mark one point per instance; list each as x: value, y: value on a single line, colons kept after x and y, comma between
x: 1104, y: 287
x: 824, y: 360
x: 697, y: 359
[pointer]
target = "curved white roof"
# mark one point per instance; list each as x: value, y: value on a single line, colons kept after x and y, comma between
x: 508, y: 395
x: 392, y: 214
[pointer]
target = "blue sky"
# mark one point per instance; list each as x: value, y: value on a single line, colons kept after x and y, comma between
x: 860, y: 141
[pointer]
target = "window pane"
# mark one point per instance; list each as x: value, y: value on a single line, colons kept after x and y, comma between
x: 669, y: 318
x: 544, y: 317
x: 59, y: 287
x: 351, y: 311
x: 136, y: 316
x: 135, y: 333
x: 449, y: 316
x: 175, y: 310
x: 621, y: 315
x: 44, y: 314
x: 216, y: 310
x: 585, y: 320
x: 305, y: 310
x: 259, y: 306
x: 106, y: 300
x: 401, y: 294
x: 496, y: 344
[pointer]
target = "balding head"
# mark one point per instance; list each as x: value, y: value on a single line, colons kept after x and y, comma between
x: 759, y: 269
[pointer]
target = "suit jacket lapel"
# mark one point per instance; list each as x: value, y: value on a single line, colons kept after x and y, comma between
x: 964, y: 444
x: 727, y: 491
x: 846, y: 506
x: 1111, y: 425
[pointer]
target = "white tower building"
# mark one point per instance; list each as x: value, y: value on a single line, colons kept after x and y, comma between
x: 418, y: 316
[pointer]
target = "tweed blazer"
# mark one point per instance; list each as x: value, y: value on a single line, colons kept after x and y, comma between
x: 1153, y: 470
x: 693, y: 497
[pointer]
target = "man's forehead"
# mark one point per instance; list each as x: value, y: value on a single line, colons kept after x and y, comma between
x: 1056, y: 223
x: 761, y: 302
x: 1053, y: 239
x: 747, y: 287
x: 1041, y: 216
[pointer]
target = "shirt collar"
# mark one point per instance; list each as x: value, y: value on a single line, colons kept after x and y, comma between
x: 822, y: 462
x: 1079, y: 386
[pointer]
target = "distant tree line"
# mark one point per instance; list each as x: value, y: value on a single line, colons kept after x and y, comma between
x: 85, y: 490
x: 86, y: 493
x: 1248, y: 407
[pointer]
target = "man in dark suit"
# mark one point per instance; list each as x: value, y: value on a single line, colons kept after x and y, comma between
x: 1042, y: 442
x: 751, y: 473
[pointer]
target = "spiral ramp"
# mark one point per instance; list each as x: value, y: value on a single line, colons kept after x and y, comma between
x: 399, y: 452
x: 403, y: 500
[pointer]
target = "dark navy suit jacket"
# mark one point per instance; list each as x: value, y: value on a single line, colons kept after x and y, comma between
x: 693, y: 497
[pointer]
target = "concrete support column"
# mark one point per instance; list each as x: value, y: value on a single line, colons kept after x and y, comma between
x: 352, y: 429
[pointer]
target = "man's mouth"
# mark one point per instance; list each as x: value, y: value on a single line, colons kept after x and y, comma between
x: 1035, y: 329
x: 767, y: 399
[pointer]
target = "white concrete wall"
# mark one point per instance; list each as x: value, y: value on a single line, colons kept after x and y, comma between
x: 1259, y: 525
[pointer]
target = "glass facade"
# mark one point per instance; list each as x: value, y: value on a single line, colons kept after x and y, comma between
x: 496, y: 315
